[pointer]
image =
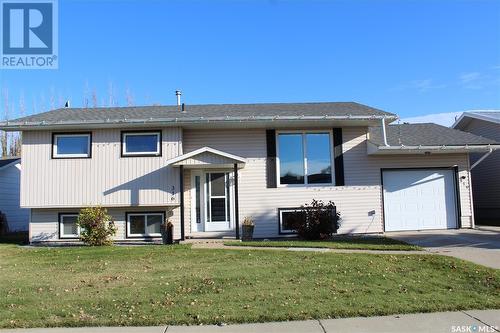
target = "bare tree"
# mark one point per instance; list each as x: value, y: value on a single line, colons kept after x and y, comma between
x: 94, y: 98
x: 34, y: 110
x: 4, y: 138
x: 52, y: 98
x: 22, y: 105
x: 3, y: 143
x: 60, y: 101
x: 16, y: 139
x: 111, y: 94
x: 86, y: 95
x: 129, y: 97
x: 42, y: 103
x: 15, y: 145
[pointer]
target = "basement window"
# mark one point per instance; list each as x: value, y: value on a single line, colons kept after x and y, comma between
x: 67, y: 226
x: 146, y: 143
x: 286, y: 216
x: 144, y: 224
x: 71, y: 145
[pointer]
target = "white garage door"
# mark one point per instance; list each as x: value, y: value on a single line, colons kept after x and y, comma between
x: 419, y: 199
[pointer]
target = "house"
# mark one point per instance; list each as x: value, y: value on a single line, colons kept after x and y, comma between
x: 206, y: 167
x: 485, y: 176
x: 10, y: 180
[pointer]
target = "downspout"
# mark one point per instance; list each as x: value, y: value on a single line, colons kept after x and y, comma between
x: 384, y: 134
x: 482, y: 158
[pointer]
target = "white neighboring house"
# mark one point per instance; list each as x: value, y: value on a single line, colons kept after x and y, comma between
x: 10, y: 182
x: 486, y: 176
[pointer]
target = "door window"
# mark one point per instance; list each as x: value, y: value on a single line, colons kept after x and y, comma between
x: 217, y: 193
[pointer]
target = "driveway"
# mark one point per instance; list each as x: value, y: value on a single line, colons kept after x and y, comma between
x: 480, y: 245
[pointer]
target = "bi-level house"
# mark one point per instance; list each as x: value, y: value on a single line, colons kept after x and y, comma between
x: 206, y: 167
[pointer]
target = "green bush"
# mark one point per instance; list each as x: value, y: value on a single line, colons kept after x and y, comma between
x: 316, y: 221
x: 97, y: 227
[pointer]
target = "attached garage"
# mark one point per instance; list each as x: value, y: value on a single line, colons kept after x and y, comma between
x: 419, y: 199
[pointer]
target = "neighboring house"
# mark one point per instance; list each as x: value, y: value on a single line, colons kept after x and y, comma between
x: 486, y: 176
x: 10, y: 182
x: 206, y: 167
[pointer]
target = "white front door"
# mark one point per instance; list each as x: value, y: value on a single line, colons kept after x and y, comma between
x: 419, y: 199
x: 211, y: 201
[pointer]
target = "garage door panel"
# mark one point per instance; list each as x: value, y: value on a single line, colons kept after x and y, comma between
x: 419, y: 199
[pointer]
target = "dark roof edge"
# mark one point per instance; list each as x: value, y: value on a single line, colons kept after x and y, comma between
x: 12, y: 125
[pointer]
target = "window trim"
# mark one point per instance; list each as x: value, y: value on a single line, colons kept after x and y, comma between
x: 282, y: 231
x: 60, y: 226
x: 303, y: 133
x: 123, y: 144
x: 140, y: 213
x: 53, y: 152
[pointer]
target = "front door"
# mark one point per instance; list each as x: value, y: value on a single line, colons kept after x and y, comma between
x: 211, y: 201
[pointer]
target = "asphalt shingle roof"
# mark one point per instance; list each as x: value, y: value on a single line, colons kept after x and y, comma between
x: 5, y: 161
x: 427, y: 134
x: 205, y: 111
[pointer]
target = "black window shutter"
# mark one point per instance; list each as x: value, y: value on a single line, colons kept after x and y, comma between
x: 271, y: 159
x: 338, y: 157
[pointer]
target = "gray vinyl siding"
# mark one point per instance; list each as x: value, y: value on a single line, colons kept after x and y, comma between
x: 44, y: 226
x: 56, y: 186
x: 17, y: 217
x: 105, y: 179
x: 486, y: 176
x: 357, y: 201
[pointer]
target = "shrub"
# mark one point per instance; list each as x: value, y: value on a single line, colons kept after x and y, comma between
x: 97, y: 227
x: 316, y: 221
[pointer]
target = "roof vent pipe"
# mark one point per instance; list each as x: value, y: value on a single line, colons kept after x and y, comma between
x: 178, y: 95
x: 183, y: 108
x: 384, y: 134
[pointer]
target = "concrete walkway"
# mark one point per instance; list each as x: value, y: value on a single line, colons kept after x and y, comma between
x: 446, y: 322
x: 480, y: 245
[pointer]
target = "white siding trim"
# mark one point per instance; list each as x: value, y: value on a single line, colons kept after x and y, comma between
x: 181, y: 158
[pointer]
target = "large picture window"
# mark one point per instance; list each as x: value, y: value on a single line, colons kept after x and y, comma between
x: 305, y: 158
x: 141, y: 143
x: 67, y: 226
x: 73, y: 145
x: 144, y: 224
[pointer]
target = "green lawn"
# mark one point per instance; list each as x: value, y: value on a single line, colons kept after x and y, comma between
x: 340, y: 242
x: 158, y: 285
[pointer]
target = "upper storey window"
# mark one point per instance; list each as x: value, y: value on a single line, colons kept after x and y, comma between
x: 305, y: 158
x: 147, y: 143
x: 71, y: 145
